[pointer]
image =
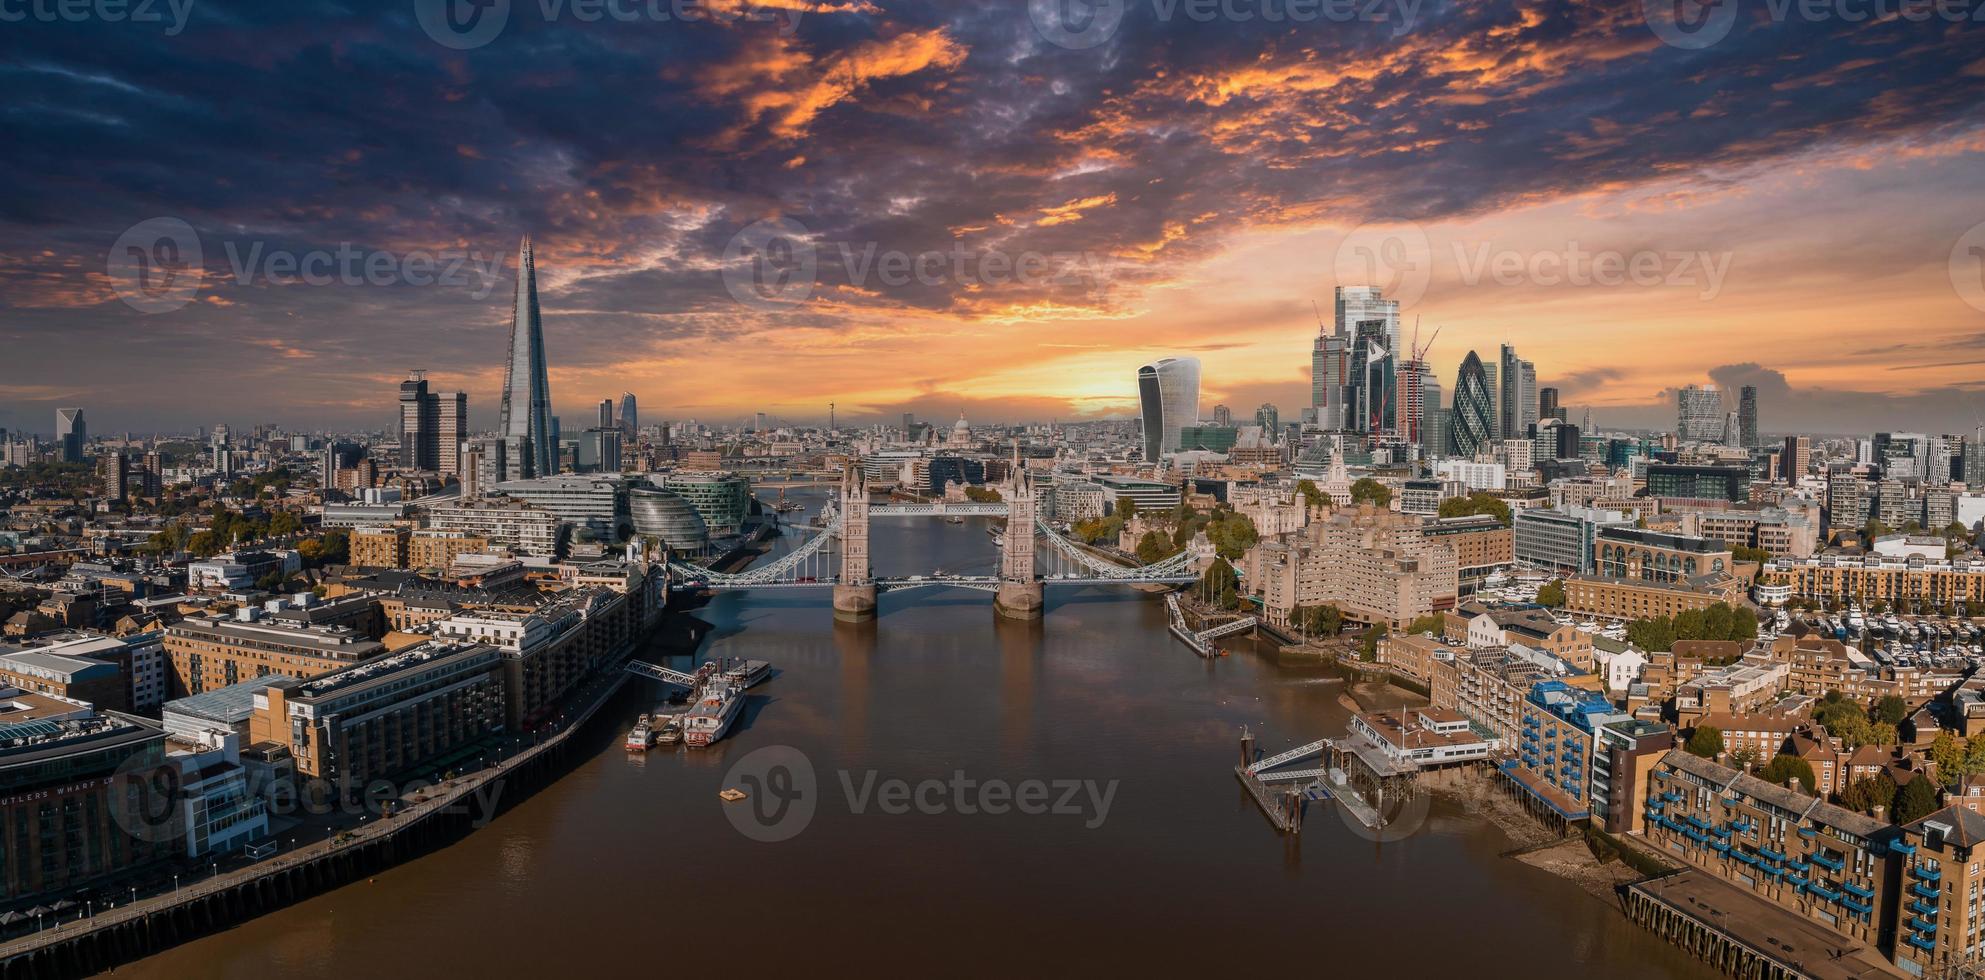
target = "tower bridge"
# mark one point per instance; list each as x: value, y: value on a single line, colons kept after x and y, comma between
x: 837, y: 556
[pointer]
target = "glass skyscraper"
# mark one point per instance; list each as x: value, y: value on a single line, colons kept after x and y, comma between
x: 526, y: 383
x: 1473, y: 421
x: 1168, y: 400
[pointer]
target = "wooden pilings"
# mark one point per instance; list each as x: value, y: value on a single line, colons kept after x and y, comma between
x: 1701, y: 940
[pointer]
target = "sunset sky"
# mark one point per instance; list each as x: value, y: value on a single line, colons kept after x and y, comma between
x: 1181, y: 187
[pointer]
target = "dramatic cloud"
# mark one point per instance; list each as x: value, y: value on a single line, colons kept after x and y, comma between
x: 976, y: 217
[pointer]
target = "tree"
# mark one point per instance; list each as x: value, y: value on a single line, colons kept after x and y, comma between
x: 1325, y: 620
x: 1475, y: 504
x: 1891, y: 709
x: 1430, y: 623
x: 1370, y: 491
x: 1552, y: 594
x: 1783, y: 769
x: 1915, y: 801
x: 1313, y: 498
x: 1153, y: 547
x: 983, y: 495
x: 1126, y: 509
x: 1747, y: 553
x: 1368, y: 647
x: 1948, y: 754
x: 205, y: 544
x: 1706, y: 742
x: 1866, y: 794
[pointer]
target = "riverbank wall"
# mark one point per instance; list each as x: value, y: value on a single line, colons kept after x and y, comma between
x: 448, y: 813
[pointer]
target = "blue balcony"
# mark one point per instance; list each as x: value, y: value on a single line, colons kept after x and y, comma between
x: 1808, y: 832
x: 1672, y: 797
x: 1774, y: 872
x: 1797, y: 864
x: 1742, y: 826
x: 1795, y: 881
x: 1858, y: 908
x: 1921, y: 926
x: 1655, y: 803
x: 1697, y: 822
x: 1745, y: 858
x: 1720, y: 831
x: 1902, y: 846
x: 1719, y: 847
x: 1920, y: 943
x: 1820, y: 858
x: 1921, y: 909
x: 1769, y: 854
x: 1854, y: 889
x: 1927, y: 872
x: 1824, y: 892
x: 1921, y: 890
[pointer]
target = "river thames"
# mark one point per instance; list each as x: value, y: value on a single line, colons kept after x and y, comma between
x: 630, y: 866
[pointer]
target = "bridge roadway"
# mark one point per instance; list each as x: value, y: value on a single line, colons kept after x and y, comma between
x: 983, y: 583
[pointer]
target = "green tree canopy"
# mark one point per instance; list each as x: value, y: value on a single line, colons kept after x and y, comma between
x: 1369, y: 491
x: 1783, y: 769
x: 1915, y: 801
x: 1552, y: 594
x: 1706, y: 742
x: 1474, y: 504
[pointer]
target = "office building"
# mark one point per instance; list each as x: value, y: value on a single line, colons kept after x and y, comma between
x: 1355, y: 305
x: 1518, y: 404
x: 1548, y: 407
x: 1168, y: 401
x: 1330, y: 387
x: 668, y: 518
x: 1223, y: 416
x: 629, y: 420
x: 1732, y: 483
x: 1269, y: 418
x: 72, y: 433
x: 723, y: 500
x: 1747, y: 416
x: 1562, y: 541
x: 1473, y: 423
x: 1699, y: 415
x: 597, y: 504
x: 526, y: 412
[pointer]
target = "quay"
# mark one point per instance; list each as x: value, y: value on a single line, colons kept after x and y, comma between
x: 445, y: 813
x: 1730, y: 930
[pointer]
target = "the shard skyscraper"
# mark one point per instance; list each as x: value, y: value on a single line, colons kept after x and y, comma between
x: 526, y: 388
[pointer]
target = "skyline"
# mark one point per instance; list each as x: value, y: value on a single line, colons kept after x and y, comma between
x: 1790, y: 224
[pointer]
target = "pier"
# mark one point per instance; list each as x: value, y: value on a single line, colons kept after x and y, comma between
x: 1201, y: 641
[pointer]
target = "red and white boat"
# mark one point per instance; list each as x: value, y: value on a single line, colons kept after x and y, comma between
x: 718, y: 703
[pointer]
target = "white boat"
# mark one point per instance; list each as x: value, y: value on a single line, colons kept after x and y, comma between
x: 749, y: 673
x: 670, y: 733
x: 641, y: 735
x: 717, y: 705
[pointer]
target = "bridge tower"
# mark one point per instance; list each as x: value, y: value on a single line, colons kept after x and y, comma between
x: 1019, y: 595
x: 854, y: 593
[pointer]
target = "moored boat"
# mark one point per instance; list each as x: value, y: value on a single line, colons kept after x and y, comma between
x: 641, y: 735
x: 717, y: 706
x: 749, y: 673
